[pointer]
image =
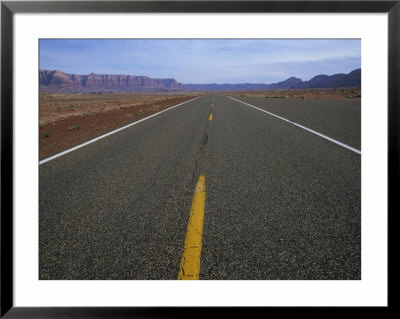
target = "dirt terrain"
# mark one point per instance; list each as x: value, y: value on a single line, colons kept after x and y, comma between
x: 66, y: 120
x: 301, y: 93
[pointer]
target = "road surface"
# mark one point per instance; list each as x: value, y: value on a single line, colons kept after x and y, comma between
x: 280, y: 202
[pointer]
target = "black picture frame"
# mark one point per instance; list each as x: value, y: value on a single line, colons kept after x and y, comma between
x: 9, y: 8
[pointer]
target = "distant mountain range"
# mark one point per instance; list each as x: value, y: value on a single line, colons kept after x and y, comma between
x: 352, y: 79
x: 57, y: 81
x: 322, y: 81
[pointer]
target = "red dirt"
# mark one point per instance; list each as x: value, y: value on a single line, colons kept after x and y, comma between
x: 64, y: 132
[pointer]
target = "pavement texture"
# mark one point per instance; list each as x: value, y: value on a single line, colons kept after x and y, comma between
x: 118, y: 208
x: 281, y: 203
x: 338, y: 119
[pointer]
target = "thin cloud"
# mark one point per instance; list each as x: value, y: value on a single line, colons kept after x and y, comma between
x: 204, y: 61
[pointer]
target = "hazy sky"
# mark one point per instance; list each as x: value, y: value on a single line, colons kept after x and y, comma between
x: 204, y: 61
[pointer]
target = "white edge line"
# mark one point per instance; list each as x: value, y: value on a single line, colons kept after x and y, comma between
x: 304, y: 128
x: 109, y: 133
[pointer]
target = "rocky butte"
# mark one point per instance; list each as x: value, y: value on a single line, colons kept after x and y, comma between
x: 57, y: 81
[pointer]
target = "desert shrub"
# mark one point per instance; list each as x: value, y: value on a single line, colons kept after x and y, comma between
x: 76, y: 127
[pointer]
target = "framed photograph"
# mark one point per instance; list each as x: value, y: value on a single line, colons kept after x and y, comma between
x: 165, y: 157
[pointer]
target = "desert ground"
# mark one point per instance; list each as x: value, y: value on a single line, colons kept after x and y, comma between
x: 66, y: 120
x: 301, y: 93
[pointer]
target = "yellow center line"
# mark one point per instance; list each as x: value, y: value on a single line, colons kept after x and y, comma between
x: 190, y: 262
x: 210, y: 117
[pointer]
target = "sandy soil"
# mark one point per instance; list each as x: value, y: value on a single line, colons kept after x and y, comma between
x: 301, y: 93
x: 66, y: 120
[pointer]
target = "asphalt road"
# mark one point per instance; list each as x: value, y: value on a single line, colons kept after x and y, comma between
x: 281, y: 202
x: 338, y: 119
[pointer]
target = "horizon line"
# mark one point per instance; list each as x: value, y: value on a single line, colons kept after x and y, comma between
x: 210, y: 83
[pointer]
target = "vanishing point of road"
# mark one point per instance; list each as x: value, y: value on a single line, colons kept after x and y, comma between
x: 214, y: 188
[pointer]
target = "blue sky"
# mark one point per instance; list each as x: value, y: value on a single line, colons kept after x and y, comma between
x: 204, y: 61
